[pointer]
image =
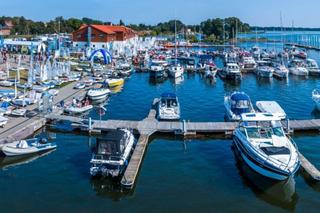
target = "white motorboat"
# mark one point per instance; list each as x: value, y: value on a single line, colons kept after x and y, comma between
x: 211, y: 70
x: 19, y: 112
x: 264, y: 69
x: 297, y: 67
x: 53, y: 92
x: 111, y: 154
x: 248, y: 64
x: 27, y: 147
x: 316, y: 98
x: 280, y: 70
x: 6, y: 83
x: 264, y: 147
x: 236, y: 104
x: 3, y: 121
x: 98, y: 93
x: 157, y: 71
x: 40, y: 88
x: 231, y: 71
x: 23, y: 101
x: 176, y: 71
x: 168, y: 107
x: 312, y: 67
x: 79, y: 86
x: 74, y: 109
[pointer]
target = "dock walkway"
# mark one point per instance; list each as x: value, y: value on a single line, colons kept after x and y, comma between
x: 151, y: 125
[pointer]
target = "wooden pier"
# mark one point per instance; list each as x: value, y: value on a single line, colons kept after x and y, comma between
x: 151, y: 125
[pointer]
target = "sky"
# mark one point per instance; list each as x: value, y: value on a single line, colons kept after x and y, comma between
x: 304, y: 13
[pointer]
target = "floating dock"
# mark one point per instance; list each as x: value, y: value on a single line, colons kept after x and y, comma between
x: 151, y: 125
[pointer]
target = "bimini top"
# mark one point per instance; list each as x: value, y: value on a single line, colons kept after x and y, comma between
x: 259, y: 117
x: 239, y: 96
x: 168, y: 95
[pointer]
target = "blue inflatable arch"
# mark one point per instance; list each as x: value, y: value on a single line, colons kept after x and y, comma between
x: 106, y: 55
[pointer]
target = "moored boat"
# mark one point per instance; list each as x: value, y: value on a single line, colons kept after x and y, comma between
x: 27, y: 147
x: 168, y: 107
x: 114, y: 82
x: 264, y: 146
x: 98, y: 93
x: 236, y: 104
x: 111, y: 154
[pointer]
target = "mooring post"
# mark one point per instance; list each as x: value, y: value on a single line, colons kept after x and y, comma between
x: 184, y: 127
x: 89, y: 125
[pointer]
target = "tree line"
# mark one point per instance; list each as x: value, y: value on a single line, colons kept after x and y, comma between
x: 213, y: 29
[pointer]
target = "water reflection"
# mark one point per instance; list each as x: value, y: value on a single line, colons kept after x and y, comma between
x: 7, y: 162
x: 277, y: 193
x: 109, y: 188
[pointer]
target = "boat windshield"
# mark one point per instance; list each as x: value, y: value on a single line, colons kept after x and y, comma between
x: 261, y: 130
x: 169, y: 102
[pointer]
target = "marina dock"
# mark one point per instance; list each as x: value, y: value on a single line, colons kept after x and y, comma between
x: 151, y: 125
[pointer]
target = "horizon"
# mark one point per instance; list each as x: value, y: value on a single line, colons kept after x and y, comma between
x: 255, y: 14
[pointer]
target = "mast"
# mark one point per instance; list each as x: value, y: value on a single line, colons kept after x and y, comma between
x: 175, y: 40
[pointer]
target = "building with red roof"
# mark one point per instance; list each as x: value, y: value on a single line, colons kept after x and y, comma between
x: 98, y: 36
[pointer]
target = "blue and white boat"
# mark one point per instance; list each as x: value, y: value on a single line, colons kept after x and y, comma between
x: 236, y: 104
x: 264, y: 146
x: 168, y: 107
x: 264, y: 69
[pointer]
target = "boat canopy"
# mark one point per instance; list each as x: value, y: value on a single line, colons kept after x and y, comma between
x: 168, y: 95
x: 255, y: 117
x: 239, y: 96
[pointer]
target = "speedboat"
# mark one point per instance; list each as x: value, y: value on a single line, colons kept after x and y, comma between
x: 27, y: 147
x: 211, y: 70
x: 176, y: 71
x: 264, y: 147
x: 264, y: 69
x: 312, y: 67
x: 280, y: 70
x: 231, y: 71
x: 168, y: 107
x: 98, y: 93
x: 114, y: 82
x: 236, y: 104
x: 111, y: 154
x: 316, y: 98
x: 297, y: 67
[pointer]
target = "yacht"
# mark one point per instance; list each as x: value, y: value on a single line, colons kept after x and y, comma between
x: 211, y: 70
x: 264, y: 146
x: 231, y: 71
x: 264, y: 69
x: 168, y: 107
x: 316, y: 98
x: 98, y: 93
x: 297, y: 67
x: 280, y: 70
x: 111, y: 154
x: 312, y: 67
x: 248, y: 64
x: 236, y: 104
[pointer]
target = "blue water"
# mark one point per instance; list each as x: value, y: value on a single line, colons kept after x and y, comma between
x: 176, y: 176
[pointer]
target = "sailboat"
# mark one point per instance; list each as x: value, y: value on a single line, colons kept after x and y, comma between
x: 175, y: 70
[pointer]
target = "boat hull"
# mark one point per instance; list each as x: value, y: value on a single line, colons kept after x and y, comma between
x: 258, y: 167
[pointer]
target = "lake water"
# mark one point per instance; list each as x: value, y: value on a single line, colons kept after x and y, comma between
x: 176, y: 176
